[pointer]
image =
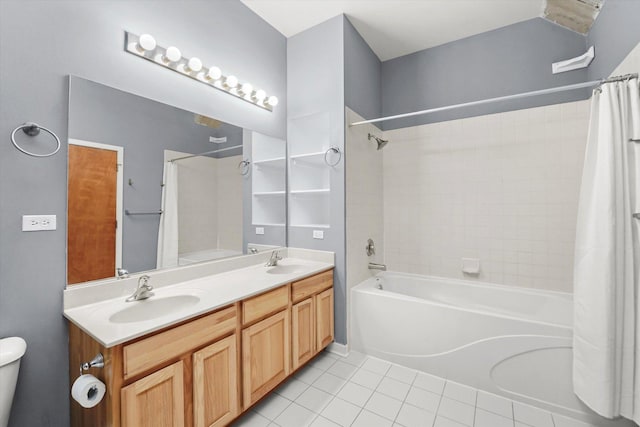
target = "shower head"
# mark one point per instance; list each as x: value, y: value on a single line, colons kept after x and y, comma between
x: 381, y: 142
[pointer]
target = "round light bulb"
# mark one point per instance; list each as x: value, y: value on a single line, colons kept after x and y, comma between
x: 172, y: 54
x: 231, y: 81
x: 247, y: 88
x: 214, y: 73
x: 194, y: 65
x: 146, y: 42
x: 272, y: 100
x: 260, y: 95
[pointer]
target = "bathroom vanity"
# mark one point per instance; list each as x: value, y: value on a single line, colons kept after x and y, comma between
x: 205, y: 364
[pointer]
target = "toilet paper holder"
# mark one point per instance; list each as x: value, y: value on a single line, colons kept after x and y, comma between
x: 96, y: 362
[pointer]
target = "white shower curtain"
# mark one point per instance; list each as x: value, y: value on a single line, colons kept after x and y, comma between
x: 168, y: 230
x: 606, y: 362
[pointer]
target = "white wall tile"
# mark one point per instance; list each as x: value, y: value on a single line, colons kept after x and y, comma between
x: 364, y: 201
x: 197, y: 194
x: 229, y: 206
x: 503, y: 188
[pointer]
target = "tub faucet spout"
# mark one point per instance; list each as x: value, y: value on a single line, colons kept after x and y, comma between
x: 375, y: 266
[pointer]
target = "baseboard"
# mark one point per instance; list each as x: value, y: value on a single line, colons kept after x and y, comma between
x: 339, y: 349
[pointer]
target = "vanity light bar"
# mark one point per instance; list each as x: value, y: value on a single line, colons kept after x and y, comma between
x: 145, y: 46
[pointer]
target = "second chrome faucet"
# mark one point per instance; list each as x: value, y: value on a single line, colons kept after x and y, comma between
x: 273, y: 261
x: 143, y: 291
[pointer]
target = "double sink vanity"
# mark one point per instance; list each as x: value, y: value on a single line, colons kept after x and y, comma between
x: 211, y: 341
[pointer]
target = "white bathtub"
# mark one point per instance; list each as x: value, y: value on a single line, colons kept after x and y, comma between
x: 509, y: 341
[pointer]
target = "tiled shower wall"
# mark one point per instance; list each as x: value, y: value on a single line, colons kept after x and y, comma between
x: 210, y: 200
x: 503, y: 188
x: 229, y: 206
x: 364, y: 202
x: 364, y: 182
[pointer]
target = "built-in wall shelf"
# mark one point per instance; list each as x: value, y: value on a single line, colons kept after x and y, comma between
x: 308, y: 155
x: 311, y: 225
x: 310, y: 159
x: 309, y: 174
x: 268, y: 180
x: 270, y: 193
x: 313, y: 191
x: 275, y: 162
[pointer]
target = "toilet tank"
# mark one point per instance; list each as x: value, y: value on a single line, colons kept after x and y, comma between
x: 11, y: 350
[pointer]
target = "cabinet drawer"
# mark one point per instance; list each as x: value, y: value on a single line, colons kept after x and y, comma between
x: 143, y: 355
x: 265, y: 304
x: 311, y: 285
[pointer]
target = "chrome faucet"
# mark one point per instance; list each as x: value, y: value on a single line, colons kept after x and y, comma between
x: 143, y: 291
x: 273, y: 261
x: 375, y: 266
x: 121, y: 273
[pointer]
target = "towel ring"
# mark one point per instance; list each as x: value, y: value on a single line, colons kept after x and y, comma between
x: 335, y: 150
x: 244, y: 167
x: 33, y: 129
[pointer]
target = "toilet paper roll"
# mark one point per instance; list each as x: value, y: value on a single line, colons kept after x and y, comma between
x: 88, y: 391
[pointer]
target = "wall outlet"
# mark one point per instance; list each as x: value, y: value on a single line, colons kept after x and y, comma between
x: 38, y: 222
x: 318, y: 234
x: 259, y: 230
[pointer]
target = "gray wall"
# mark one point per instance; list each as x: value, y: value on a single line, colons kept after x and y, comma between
x: 42, y: 43
x: 615, y: 32
x: 145, y: 129
x: 315, y: 84
x: 362, y: 75
x: 506, y: 61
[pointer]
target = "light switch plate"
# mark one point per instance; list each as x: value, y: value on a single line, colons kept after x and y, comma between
x: 318, y: 234
x: 38, y: 222
x: 259, y: 230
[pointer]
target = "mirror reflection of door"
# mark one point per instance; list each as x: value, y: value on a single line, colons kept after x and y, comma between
x: 94, y: 238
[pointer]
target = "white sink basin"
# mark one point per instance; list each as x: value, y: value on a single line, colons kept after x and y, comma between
x: 152, y: 308
x: 285, y: 269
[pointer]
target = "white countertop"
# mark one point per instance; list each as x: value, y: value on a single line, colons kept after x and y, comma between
x: 214, y: 291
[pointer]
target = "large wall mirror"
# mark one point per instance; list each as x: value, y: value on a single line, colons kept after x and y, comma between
x: 153, y: 186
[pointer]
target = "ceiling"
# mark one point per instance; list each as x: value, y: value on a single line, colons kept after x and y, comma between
x: 398, y: 27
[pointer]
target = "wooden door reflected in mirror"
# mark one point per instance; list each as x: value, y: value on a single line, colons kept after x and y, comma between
x: 93, y: 231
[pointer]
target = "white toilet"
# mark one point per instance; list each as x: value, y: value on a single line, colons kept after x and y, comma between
x: 11, y: 350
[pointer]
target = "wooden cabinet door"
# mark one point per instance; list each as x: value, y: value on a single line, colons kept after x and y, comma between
x: 156, y: 400
x: 265, y: 356
x: 303, y: 325
x: 215, y: 384
x: 324, y: 319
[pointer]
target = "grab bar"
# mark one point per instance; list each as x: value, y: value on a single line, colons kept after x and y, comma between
x: 128, y: 212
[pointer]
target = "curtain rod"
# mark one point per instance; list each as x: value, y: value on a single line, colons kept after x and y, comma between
x: 501, y: 98
x: 206, y: 152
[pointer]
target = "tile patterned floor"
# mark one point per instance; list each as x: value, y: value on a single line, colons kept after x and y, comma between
x: 362, y: 391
